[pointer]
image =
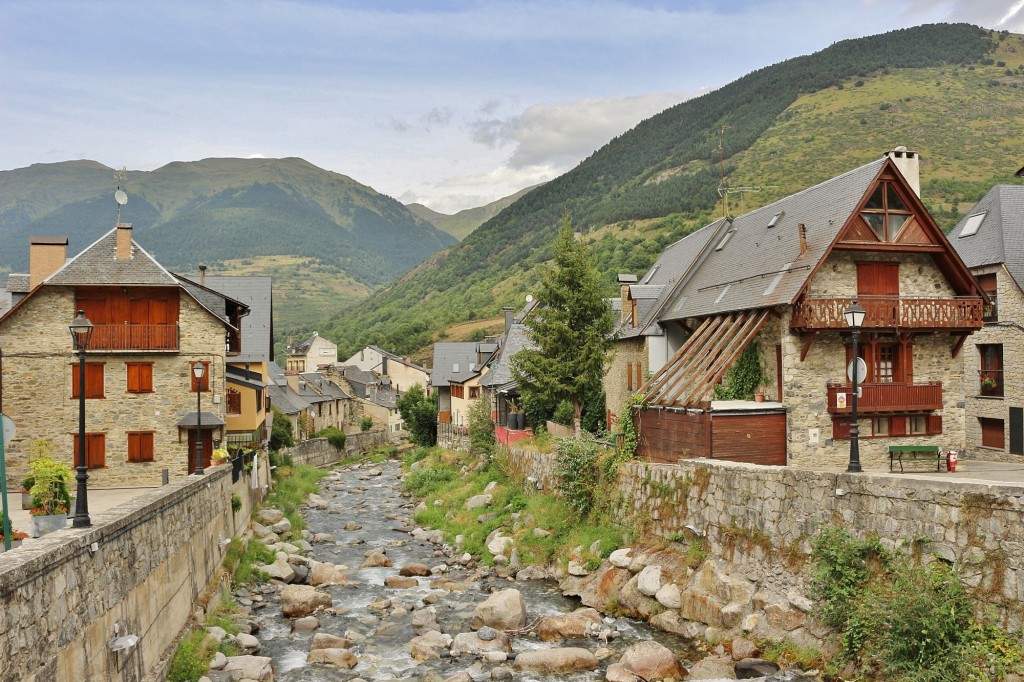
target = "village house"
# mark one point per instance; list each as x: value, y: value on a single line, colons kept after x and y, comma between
x: 399, y: 372
x: 499, y: 387
x: 778, y: 280
x: 455, y: 377
x: 288, y: 402
x: 310, y: 354
x: 990, y: 239
x: 150, y: 327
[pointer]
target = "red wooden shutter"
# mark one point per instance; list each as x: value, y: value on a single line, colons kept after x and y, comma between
x: 140, y: 446
x: 898, y: 425
x: 934, y: 424
x: 95, y: 450
x: 93, y: 380
x: 841, y: 428
x: 878, y: 279
x: 140, y: 377
x: 205, y: 382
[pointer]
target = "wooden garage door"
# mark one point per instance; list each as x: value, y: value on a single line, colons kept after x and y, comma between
x: 757, y: 438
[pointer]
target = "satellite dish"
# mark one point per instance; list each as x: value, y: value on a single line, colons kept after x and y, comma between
x: 120, y: 197
x: 529, y: 298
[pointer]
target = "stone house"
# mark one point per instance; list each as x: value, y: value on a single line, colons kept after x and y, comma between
x: 150, y: 328
x: 398, y: 371
x: 455, y: 364
x: 288, y: 402
x: 498, y: 385
x: 308, y: 355
x: 778, y: 280
x: 990, y: 239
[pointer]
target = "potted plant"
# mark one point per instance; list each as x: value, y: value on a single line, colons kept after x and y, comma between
x: 989, y: 382
x: 219, y: 456
x: 50, y: 498
x: 16, y: 536
x: 26, y: 496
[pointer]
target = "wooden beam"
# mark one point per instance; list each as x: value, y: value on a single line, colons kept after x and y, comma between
x: 958, y: 345
x: 808, y: 341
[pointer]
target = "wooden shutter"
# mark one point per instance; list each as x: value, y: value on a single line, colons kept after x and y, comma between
x: 639, y: 368
x: 95, y: 450
x: 840, y: 428
x: 234, y: 402
x: 898, y: 426
x: 140, y: 446
x: 140, y: 377
x: 934, y: 424
x: 93, y: 380
x: 878, y: 279
x: 629, y: 377
x: 204, y: 383
x: 992, y: 433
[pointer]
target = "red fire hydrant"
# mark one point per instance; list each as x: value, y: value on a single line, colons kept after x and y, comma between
x: 951, y: 459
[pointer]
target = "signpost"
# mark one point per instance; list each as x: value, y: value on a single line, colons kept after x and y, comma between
x: 7, y: 432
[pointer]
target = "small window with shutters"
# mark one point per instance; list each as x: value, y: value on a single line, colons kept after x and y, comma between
x: 140, y: 446
x: 95, y: 450
x: 991, y: 433
x: 988, y: 285
x: 139, y: 377
x: 93, y: 380
x: 234, y: 401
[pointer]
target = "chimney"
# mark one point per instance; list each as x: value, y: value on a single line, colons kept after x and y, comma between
x: 46, y: 255
x: 384, y: 366
x: 202, y: 275
x: 124, y: 242
x: 909, y: 164
x: 803, y: 238
x: 508, y: 317
x: 626, y: 314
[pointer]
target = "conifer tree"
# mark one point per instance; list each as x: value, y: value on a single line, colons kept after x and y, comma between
x: 571, y: 330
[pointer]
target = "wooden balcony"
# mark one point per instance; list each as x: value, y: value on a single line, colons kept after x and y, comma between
x: 891, y: 312
x: 134, y: 337
x: 887, y: 398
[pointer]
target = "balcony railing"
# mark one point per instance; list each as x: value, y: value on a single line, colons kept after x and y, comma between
x: 891, y: 312
x: 131, y: 337
x: 887, y: 397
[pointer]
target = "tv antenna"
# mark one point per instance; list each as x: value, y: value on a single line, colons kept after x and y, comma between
x: 120, y: 196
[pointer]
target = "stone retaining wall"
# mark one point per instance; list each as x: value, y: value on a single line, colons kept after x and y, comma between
x: 319, y: 452
x: 760, y: 519
x: 62, y: 602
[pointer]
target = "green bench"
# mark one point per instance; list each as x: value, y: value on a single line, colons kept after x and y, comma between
x: 914, y: 453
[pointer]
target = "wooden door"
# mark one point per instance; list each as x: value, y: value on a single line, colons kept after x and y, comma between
x: 207, y: 448
x: 878, y: 279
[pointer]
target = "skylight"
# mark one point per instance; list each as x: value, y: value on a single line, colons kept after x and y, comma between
x: 651, y: 274
x: 775, y: 219
x: 972, y: 225
x: 725, y: 240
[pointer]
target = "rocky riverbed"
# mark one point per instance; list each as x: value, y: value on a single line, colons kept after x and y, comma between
x: 366, y: 595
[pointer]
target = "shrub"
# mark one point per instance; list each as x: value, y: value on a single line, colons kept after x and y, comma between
x: 335, y: 437
x: 577, y: 474
x: 281, y: 434
x: 366, y: 423
x: 236, y: 502
x: 563, y: 414
x: 481, y: 428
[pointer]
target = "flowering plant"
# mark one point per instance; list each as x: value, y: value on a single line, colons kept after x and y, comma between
x: 16, y: 534
x: 219, y: 455
x: 51, y: 511
x: 989, y: 381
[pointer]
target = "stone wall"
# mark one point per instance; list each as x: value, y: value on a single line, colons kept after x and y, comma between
x: 760, y: 520
x: 62, y: 602
x: 633, y: 350
x: 318, y: 452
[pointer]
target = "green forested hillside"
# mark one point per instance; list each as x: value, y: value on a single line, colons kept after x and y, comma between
x: 462, y: 223
x: 782, y: 128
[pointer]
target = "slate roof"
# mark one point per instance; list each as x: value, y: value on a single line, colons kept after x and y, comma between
x: 385, y: 397
x: 97, y: 265
x: 285, y: 400
x: 452, y: 362
x: 761, y: 266
x: 517, y: 339
x: 213, y: 301
x: 257, y: 292
x: 17, y: 283
x: 302, y: 347
x: 209, y: 420
x: 324, y: 386
x: 1000, y: 236
x: 398, y: 358
x: 238, y: 375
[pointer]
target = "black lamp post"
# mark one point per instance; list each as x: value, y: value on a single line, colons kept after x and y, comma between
x: 81, y: 332
x: 198, y: 370
x: 854, y: 319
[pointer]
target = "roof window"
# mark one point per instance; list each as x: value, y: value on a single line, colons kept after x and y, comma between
x: 725, y: 239
x: 972, y: 225
x: 775, y: 219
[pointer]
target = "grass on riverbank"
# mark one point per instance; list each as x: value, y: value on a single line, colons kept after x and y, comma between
x: 292, y: 484
x: 446, y: 480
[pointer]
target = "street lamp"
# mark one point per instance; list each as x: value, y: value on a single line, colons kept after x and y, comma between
x: 198, y: 370
x: 81, y: 332
x: 854, y: 319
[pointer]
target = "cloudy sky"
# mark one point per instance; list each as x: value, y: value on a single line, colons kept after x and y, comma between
x: 452, y: 103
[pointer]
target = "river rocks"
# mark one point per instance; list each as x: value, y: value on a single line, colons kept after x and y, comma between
x: 429, y: 645
x: 280, y: 570
x: 247, y: 642
x: 648, y: 581
x: 669, y: 596
x: 414, y: 570
x: 578, y: 624
x: 577, y: 568
x: 400, y: 582
x: 257, y: 668
x: 269, y: 516
x: 302, y: 600
x: 342, y: 658
x: 323, y: 537
x: 621, y: 558
x: 376, y: 558
x: 646, y: 661
x: 305, y: 624
x: 533, y: 573
x: 713, y: 668
x: 744, y: 648
x: 559, y: 660
x: 504, y: 610
x: 499, y: 544
x: 473, y: 643
x: 323, y: 573
x: 323, y: 640
x: 750, y: 668
x: 281, y: 527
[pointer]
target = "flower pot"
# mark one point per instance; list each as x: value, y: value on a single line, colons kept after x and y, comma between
x: 759, y: 397
x: 41, y: 525
x: 26, y: 500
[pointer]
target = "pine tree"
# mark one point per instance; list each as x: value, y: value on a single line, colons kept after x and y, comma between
x: 571, y: 330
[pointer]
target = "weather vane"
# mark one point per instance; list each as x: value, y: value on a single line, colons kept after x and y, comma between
x: 120, y: 196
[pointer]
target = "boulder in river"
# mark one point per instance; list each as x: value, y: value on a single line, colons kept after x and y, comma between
x: 376, y: 559
x: 342, y: 658
x: 414, y: 570
x: 504, y: 610
x: 257, y: 668
x: 323, y: 640
x: 471, y: 643
x: 559, y: 660
x: 302, y: 600
x: 577, y: 624
x: 648, y: 661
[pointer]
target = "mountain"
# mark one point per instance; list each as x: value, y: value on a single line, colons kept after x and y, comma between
x: 284, y: 217
x: 951, y: 92
x: 465, y: 221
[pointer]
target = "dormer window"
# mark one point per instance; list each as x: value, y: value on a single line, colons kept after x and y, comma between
x: 885, y: 212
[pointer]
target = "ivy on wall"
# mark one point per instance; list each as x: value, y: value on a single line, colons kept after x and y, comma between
x: 744, y: 378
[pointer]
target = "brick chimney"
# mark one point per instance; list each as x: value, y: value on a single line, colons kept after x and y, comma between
x: 909, y: 164
x: 124, y: 242
x: 46, y: 255
x: 626, y: 314
x: 509, y: 311
x: 202, y: 275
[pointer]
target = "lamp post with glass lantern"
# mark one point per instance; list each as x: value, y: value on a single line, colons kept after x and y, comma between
x: 854, y: 319
x: 198, y: 370
x: 81, y: 331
